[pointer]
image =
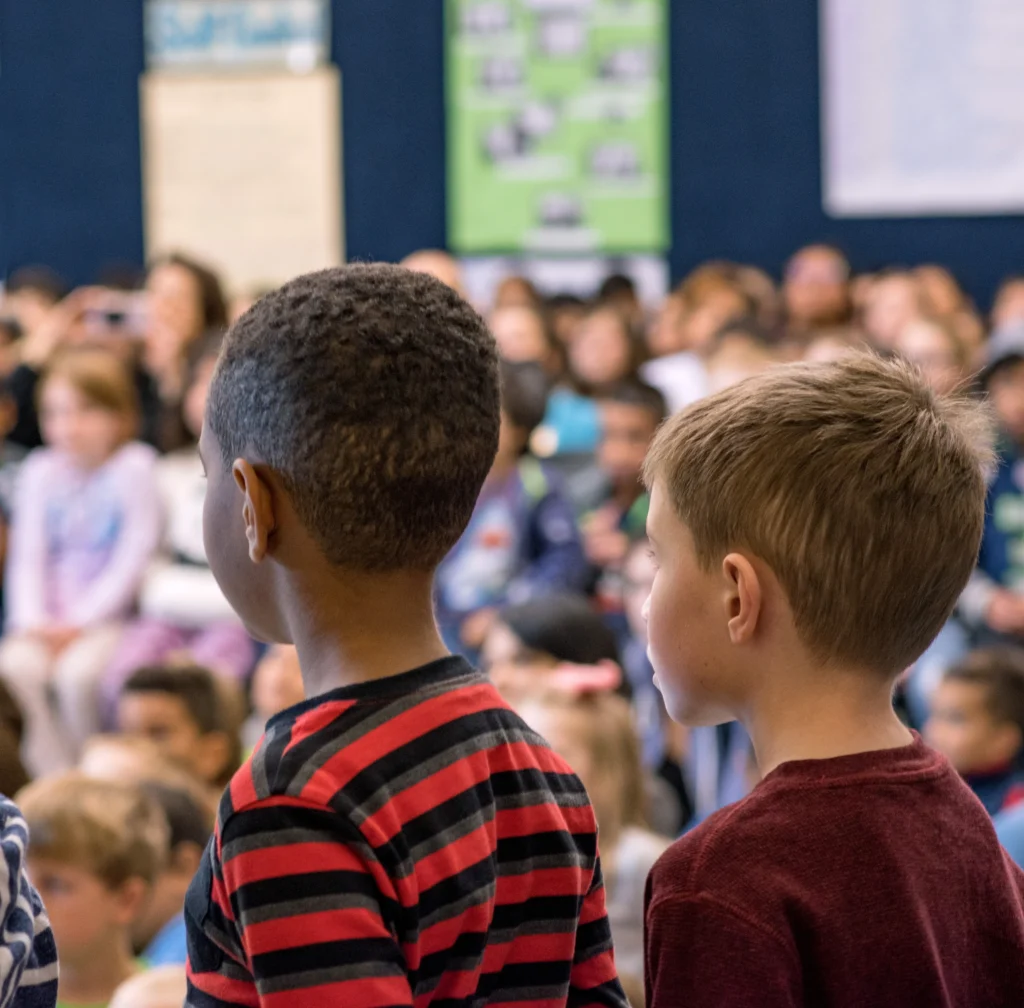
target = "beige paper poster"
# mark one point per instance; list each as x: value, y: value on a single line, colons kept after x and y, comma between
x: 244, y: 171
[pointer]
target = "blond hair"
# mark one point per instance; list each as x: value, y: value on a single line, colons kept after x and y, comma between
x: 102, y: 380
x: 862, y: 489
x: 113, y: 831
x: 610, y: 737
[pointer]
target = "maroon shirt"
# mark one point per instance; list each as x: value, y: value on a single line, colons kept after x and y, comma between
x: 866, y: 880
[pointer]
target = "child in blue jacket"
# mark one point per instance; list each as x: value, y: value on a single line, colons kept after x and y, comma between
x: 522, y: 541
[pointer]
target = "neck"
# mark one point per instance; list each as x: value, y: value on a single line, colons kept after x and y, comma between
x: 830, y: 713
x: 364, y: 629
x: 94, y: 978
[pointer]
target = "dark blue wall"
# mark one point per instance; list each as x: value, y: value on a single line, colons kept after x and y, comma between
x: 745, y: 149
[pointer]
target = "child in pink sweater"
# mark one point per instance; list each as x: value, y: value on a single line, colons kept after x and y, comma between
x: 86, y: 522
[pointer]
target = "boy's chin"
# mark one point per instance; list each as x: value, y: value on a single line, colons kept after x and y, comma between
x: 693, y: 711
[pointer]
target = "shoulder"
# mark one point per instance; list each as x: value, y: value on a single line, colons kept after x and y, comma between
x: 728, y: 853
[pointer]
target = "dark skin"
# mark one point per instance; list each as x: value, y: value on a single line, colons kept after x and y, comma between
x: 348, y: 626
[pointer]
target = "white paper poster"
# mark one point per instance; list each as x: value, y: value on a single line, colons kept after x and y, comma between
x: 922, y: 106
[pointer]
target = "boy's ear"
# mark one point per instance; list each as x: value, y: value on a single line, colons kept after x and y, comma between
x: 743, y: 597
x: 130, y: 898
x: 257, y: 508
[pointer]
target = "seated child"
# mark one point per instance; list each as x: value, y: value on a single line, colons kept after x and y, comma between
x: 561, y: 641
x: 185, y: 713
x: 86, y: 523
x: 412, y: 841
x: 276, y: 686
x: 163, y: 987
x: 522, y: 539
x: 522, y: 335
x: 96, y: 848
x: 593, y: 732
x: 993, y: 604
x: 28, y: 961
x: 182, y: 612
x: 739, y: 350
x: 710, y: 297
x: 602, y: 353
x: 616, y: 513
x: 794, y: 519
x: 530, y: 643
x: 977, y: 723
x: 159, y: 931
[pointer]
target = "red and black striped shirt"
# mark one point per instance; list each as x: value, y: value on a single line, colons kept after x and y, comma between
x: 408, y: 841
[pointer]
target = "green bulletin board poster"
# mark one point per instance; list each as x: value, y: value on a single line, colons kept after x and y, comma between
x: 557, y: 125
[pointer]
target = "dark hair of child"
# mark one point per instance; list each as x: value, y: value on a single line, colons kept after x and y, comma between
x: 566, y: 627
x: 188, y: 819
x: 40, y: 279
x: 368, y: 388
x: 211, y: 294
x: 1000, y: 670
x: 524, y: 395
x: 201, y: 696
x: 636, y: 393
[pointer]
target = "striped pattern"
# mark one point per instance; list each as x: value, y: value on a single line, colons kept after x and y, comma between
x: 403, y: 842
x: 28, y: 955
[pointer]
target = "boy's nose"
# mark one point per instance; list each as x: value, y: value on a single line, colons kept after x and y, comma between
x: 646, y: 610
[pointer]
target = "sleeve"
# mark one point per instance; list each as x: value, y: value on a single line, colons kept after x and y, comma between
x: 26, y: 554
x: 114, y: 591
x: 594, y: 980
x: 296, y: 915
x: 28, y: 956
x: 703, y: 954
x: 555, y: 560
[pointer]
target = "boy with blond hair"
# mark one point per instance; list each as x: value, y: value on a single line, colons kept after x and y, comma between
x: 95, y: 850
x: 813, y: 527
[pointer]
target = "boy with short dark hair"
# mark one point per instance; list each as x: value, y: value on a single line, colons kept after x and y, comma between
x: 812, y: 528
x: 977, y: 723
x: 184, y: 710
x: 401, y: 835
x: 616, y: 512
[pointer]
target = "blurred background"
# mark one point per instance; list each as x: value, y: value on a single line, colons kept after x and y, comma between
x: 648, y: 200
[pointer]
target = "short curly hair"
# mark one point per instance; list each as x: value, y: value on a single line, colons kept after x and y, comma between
x: 373, y: 392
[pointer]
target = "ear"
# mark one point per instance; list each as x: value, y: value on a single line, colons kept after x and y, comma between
x: 130, y: 898
x: 257, y: 508
x: 743, y: 597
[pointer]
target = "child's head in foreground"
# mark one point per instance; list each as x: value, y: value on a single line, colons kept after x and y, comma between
x: 351, y: 422
x: 816, y: 516
x: 977, y: 713
x: 96, y: 849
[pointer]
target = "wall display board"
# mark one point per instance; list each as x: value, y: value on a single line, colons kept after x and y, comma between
x: 557, y: 125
